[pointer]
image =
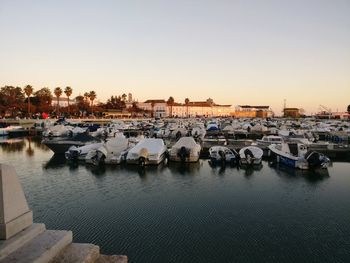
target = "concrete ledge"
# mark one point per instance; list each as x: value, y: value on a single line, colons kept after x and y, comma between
x: 78, y: 253
x: 112, y: 259
x: 17, y: 241
x: 14, y: 226
x: 41, y: 249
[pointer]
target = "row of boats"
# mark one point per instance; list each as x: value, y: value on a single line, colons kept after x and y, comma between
x: 185, y: 140
x: 153, y: 151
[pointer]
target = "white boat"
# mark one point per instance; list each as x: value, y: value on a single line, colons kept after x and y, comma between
x: 269, y: 139
x: 42, y: 125
x: 198, y: 132
x: 296, y: 155
x: 114, y: 151
x: 80, y: 153
x: 4, y: 131
x: 12, y: 131
x: 185, y: 150
x: 213, y: 126
x: 221, y: 154
x: 147, y: 151
x: 57, y: 131
x: 250, y: 155
x: 62, y: 144
x: 214, y: 138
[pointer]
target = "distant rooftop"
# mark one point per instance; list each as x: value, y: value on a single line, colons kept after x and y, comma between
x: 154, y: 101
x: 190, y: 104
x: 253, y: 107
x: 287, y: 109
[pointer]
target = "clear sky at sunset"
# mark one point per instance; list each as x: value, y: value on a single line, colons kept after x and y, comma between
x: 236, y: 52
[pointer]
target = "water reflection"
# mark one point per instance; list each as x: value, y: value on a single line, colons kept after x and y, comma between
x: 185, y: 168
x: 12, y: 145
x: 249, y: 170
x: 30, y: 150
x: 312, y: 176
x: 97, y: 170
x: 143, y: 172
x: 57, y: 161
x: 38, y: 145
x: 29, y: 145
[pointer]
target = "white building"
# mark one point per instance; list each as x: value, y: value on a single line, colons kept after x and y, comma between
x: 161, y: 109
x: 158, y: 107
x: 200, y: 109
x: 63, y: 102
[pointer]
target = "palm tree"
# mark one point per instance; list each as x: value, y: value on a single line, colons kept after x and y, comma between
x: 58, y: 93
x: 171, y: 103
x: 86, y: 95
x: 92, y: 96
x: 124, y: 97
x: 28, y: 91
x: 152, y: 105
x: 68, y: 91
x: 187, y: 101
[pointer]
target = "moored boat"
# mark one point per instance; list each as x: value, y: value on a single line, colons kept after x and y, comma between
x: 268, y: 140
x: 147, y: 151
x: 113, y: 151
x: 80, y: 153
x: 222, y: 155
x: 296, y: 155
x: 62, y: 144
x: 250, y: 155
x: 185, y: 150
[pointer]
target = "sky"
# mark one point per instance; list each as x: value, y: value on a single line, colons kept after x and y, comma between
x: 238, y: 52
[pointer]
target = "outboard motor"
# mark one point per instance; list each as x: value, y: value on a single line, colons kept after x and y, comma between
x: 316, y: 160
x: 183, y: 153
x: 178, y: 135
x: 98, y: 159
x: 70, y: 133
x: 142, y: 161
x: 73, y: 155
x: 222, y: 156
x: 249, y: 156
x: 143, y: 155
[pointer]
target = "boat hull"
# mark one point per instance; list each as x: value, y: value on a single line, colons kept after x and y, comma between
x: 61, y: 147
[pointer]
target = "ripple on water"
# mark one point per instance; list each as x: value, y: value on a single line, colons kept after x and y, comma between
x: 193, y: 213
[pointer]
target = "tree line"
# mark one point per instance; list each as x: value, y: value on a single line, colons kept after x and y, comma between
x: 25, y: 102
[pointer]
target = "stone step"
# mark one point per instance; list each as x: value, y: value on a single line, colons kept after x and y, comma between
x: 78, y: 253
x: 42, y: 248
x: 21, y: 238
x: 112, y: 259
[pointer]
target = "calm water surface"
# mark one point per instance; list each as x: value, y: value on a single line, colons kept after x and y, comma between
x: 191, y: 213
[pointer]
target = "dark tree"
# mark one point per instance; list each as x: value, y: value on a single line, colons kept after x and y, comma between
x: 42, y: 100
x: 11, y: 100
x: 170, y: 102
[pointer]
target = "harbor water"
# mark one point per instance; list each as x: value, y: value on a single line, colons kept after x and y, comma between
x: 190, y: 213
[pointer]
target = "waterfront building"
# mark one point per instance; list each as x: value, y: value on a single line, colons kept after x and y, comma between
x: 63, y: 102
x: 156, y: 106
x: 332, y: 115
x: 161, y: 109
x: 113, y: 114
x: 248, y: 111
x: 291, y: 112
x: 200, y: 109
